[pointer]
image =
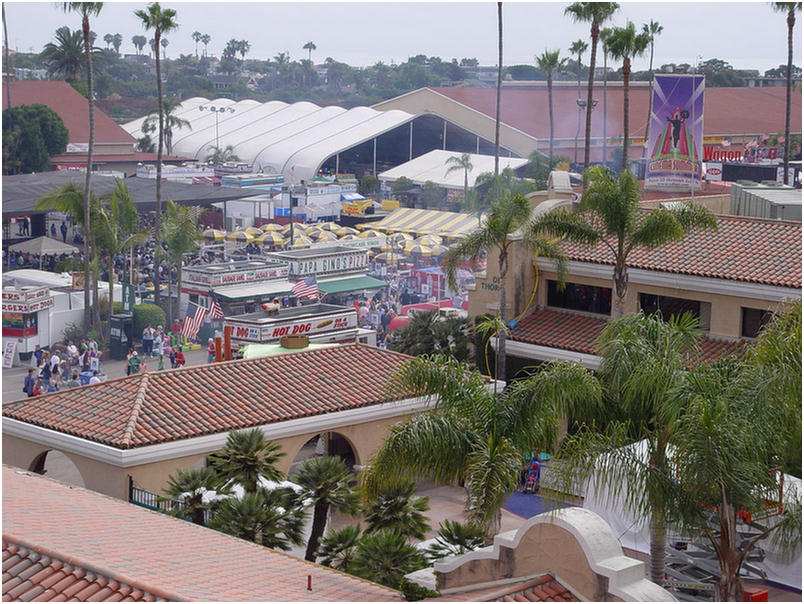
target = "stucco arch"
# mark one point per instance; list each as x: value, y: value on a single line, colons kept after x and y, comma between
x: 293, y: 447
x: 58, y: 465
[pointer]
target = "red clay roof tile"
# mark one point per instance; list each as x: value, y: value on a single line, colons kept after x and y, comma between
x: 150, y: 408
x: 532, y: 590
x: 173, y: 559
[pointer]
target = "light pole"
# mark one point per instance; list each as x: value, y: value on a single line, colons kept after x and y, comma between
x: 581, y: 106
x: 216, y: 111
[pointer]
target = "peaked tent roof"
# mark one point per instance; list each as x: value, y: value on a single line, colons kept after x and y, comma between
x: 433, y: 166
x: 150, y: 408
x: 43, y: 245
x: 426, y: 222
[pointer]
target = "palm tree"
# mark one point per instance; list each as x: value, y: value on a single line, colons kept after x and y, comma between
x: 243, y: 47
x: 427, y: 332
x: 246, y: 458
x: 117, y: 41
x: 454, y: 539
x: 595, y: 13
x: 400, y: 510
x: 726, y: 443
x: 7, y: 55
x: 339, y: 547
x: 625, y: 43
x: 652, y: 30
x: 180, y: 233
x: 221, y: 155
x: 205, y: 40
x: 464, y: 162
x: 505, y: 218
x: 499, y: 89
x: 196, y: 38
x: 162, y: 22
x: 117, y: 231
x: 139, y: 42
x: 471, y: 433
x: 578, y: 48
x: 790, y: 8
x: 66, y: 56
x: 108, y: 39
x: 309, y: 47
x: 193, y: 488
x: 171, y: 122
x: 385, y: 557
x: 164, y: 42
x: 644, y: 360
x: 326, y: 482
x: 548, y: 63
x: 604, y: 33
x: 609, y: 214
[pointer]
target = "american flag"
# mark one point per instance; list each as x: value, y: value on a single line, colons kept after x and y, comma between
x: 306, y: 288
x: 215, y: 310
x: 193, y: 323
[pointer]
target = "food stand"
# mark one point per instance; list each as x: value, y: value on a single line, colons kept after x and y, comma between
x: 26, y: 320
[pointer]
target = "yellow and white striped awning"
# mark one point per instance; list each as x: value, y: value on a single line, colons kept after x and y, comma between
x: 426, y: 222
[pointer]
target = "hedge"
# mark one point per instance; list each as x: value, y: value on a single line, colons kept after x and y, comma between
x: 145, y: 314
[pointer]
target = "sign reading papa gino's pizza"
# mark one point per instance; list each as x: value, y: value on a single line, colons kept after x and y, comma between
x: 676, y: 133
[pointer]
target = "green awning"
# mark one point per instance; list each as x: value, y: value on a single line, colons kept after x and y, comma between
x: 350, y: 284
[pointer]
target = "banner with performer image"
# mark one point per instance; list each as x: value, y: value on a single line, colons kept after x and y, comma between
x: 675, y: 141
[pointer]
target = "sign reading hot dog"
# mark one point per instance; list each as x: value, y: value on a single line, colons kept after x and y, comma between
x: 306, y: 326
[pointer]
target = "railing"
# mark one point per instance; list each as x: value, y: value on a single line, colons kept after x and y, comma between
x: 152, y: 501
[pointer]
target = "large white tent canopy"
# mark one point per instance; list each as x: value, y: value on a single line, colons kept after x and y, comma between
x: 433, y: 167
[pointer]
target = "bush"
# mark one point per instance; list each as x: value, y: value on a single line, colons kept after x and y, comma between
x: 145, y: 314
x: 73, y: 332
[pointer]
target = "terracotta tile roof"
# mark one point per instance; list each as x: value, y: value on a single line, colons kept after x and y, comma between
x: 543, y: 589
x: 570, y: 331
x: 754, y: 250
x: 102, y: 538
x: 29, y: 574
x: 151, y: 408
x: 71, y: 107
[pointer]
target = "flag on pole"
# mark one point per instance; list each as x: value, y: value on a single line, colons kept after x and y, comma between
x: 192, y: 323
x: 215, y: 310
x: 306, y: 288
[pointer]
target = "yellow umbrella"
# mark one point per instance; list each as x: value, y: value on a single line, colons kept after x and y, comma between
x: 388, y: 258
x: 429, y: 240
x: 349, y: 237
x: 270, y: 238
x: 271, y: 226
x: 328, y: 226
x: 419, y: 250
x: 401, y: 238
x: 369, y: 234
x: 346, y: 231
x: 326, y: 236
x: 240, y: 237
x: 253, y: 231
x: 300, y: 240
x: 438, y: 250
x: 213, y: 235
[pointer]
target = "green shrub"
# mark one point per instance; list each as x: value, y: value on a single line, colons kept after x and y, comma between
x: 145, y: 314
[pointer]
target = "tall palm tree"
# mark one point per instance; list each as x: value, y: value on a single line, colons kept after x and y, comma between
x: 108, y: 39
x: 246, y: 458
x: 139, y: 42
x: 205, y: 40
x: 604, y: 33
x: 499, y: 89
x: 164, y: 43
x: 7, y: 55
x: 578, y: 48
x: 398, y: 509
x: 326, y: 482
x: 162, y: 21
x: 196, y: 38
x: 309, y: 47
x: 193, y: 488
x: 549, y: 62
x: 609, y: 214
x: 221, y: 155
x: 117, y: 231
x: 505, y: 218
x: 464, y: 162
x: 790, y: 9
x: 473, y: 434
x: 171, y: 121
x: 117, y: 41
x: 625, y: 43
x: 65, y: 57
x: 652, y: 30
x: 595, y: 13
x: 180, y: 232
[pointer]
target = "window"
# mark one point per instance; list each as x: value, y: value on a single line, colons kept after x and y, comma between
x: 19, y: 325
x: 668, y: 306
x: 194, y: 298
x: 753, y: 321
x: 576, y: 296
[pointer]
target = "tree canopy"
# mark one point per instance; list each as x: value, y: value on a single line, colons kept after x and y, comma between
x: 32, y: 134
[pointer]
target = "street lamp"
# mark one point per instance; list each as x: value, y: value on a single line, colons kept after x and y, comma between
x: 216, y: 111
x: 581, y: 106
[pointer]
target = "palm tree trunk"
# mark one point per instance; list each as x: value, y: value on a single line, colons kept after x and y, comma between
x: 111, y: 298
x: 650, y: 101
x: 550, y: 105
x: 620, y: 289
x: 501, y: 335
x: 157, y: 237
x: 791, y: 21
x: 730, y: 586
x: 595, y: 33
x: 88, y: 180
x: 8, y: 63
x: 658, y: 541
x: 605, y: 112
x: 626, y: 80
x: 493, y: 527
x: 320, y: 513
x: 499, y: 88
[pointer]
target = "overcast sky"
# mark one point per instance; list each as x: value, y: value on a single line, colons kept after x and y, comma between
x: 745, y: 34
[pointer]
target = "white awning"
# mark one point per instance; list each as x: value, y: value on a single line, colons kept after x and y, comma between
x: 253, y: 291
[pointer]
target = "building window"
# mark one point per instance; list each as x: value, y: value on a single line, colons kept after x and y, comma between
x: 18, y: 325
x: 754, y: 320
x: 194, y: 298
x: 667, y: 307
x: 576, y: 296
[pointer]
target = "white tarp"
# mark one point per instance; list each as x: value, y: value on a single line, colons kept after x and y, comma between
x: 43, y: 245
x: 634, y: 533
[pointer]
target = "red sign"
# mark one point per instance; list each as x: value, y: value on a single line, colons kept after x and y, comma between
x: 719, y: 154
x: 28, y: 307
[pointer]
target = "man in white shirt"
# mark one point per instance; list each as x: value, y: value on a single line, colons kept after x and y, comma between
x: 72, y: 352
x: 54, y: 361
x: 94, y: 379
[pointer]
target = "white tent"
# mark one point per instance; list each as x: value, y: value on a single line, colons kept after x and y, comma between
x: 43, y: 246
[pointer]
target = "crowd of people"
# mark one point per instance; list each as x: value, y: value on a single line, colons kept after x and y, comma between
x: 62, y: 367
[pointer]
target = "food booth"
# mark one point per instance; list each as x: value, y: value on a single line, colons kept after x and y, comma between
x: 26, y: 319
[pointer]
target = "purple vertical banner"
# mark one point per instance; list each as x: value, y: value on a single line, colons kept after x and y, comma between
x: 675, y: 143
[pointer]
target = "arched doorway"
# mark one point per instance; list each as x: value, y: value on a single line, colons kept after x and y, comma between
x: 58, y: 466
x: 323, y: 445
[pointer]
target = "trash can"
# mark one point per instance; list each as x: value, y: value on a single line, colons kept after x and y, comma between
x: 122, y: 332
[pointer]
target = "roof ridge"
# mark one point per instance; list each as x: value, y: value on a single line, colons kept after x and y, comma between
x: 131, y: 424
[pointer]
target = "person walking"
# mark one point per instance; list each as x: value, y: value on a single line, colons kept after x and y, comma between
x: 147, y: 340
x: 63, y: 229
x: 210, y: 350
x: 30, y: 382
x: 160, y: 364
x: 53, y: 231
x: 180, y: 360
